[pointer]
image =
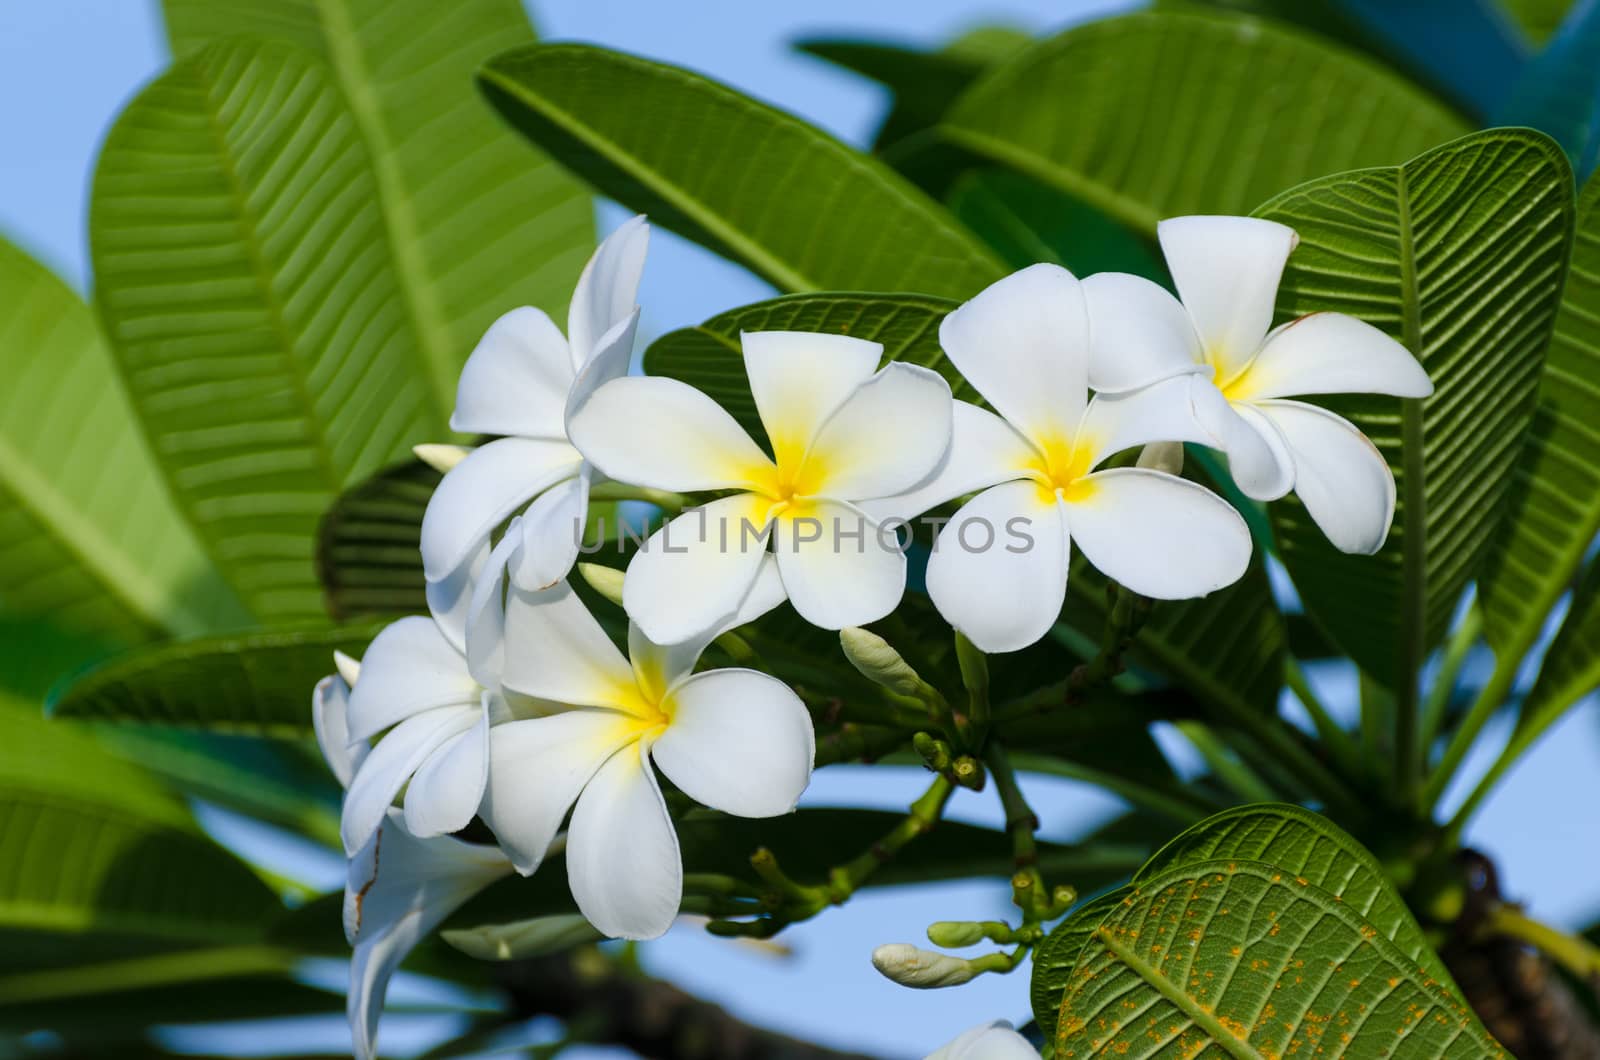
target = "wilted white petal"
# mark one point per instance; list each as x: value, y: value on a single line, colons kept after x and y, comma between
x: 798, y: 378
x: 998, y: 572
x: 390, y: 765
x: 659, y: 432
x: 330, y: 705
x: 692, y: 574
x: 552, y: 532
x: 984, y: 450
x: 482, y: 491
x: 1227, y: 271
x: 1159, y: 535
x: 408, y: 667
x: 1330, y: 353
x: 537, y: 767
x: 516, y: 380
x: 399, y: 889
x: 1339, y: 474
x: 622, y: 854
x: 444, y: 793
x: 991, y: 1041
x: 450, y: 598
x: 608, y: 289
x: 1138, y: 333
x: 837, y: 569
x: 739, y: 741
x: 887, y: 437
x: 1023, y: 342
x: 556, y: 650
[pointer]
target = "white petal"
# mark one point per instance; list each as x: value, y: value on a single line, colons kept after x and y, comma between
x: 516, y: 380
x: 659, y: 432
x: 1161, y: 412
x: 482, y: 490
x: 799, y: 377
x: 608, y: 290
x: 1338, y: 473
x: 556, y: 650
x: 552, y: 532
x: 984, y: 449
x: 1227, y: 271
x: 537, y: 767
x: 991, y: 1041
x: 1157, y: 534
x: 887, y: 437
x: 399, y: 889
x: 445, y: 791
x: 1330, y: 353
x: 409, y: 667
x: 622, y: 853
x: 330, y: 706
x: 998, y: 572
x: 739, y: 741
x: 1138, y: 333
x: 389, y: 767
x: 658, y: 666
x: 486, y: 612
x: 610, y: 360
x: 691, y: 575
x: 1024, y: 344
x: 1258, y: 459
x: 450, y: 598
x: 837, y: 569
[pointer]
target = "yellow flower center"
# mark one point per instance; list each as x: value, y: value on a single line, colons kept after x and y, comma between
x: 1061, y: 469
x: 791, y: 481
x: 1236, y: 388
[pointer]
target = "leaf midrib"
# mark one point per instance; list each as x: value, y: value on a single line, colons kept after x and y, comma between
x: 1414, y: 536
x: 1206, y: 1021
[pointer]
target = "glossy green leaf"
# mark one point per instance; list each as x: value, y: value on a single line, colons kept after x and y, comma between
x: 90, y: 540
x: 1559, y: 91
x: 1159, y: 114
x: 92, y: 845
x: 1055, y: 957
x: 244, y: 272
x: 1261, y: 932
x: 750, y: 182
x: 256, y: 683
x: 368, y: 544
x: 1554, y: 509
x: 1571, y: 667
x: 479, y: 223
x: 1459, y: 255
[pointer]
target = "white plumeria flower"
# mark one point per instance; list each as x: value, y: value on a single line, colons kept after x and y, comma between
x: 992, y: 1041
x: 399, y: 887
x: 1227, y: 270
x: 736, y: 740
x: 518, y: 383
x: 841, y: 434
x: 998, y: 572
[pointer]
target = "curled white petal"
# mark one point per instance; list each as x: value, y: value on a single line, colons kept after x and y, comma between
x: 330, y: 706
x: 1330, y: 353
x: 608, y: 290
x: 515, y: 382
x: 409, y: 667
x: 1340, y: 476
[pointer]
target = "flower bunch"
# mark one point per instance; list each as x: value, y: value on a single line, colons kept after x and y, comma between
x: 513, y: 704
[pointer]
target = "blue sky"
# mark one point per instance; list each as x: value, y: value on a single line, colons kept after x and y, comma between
x: 67, y: 66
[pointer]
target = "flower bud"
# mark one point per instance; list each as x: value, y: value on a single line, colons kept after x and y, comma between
x: 921, y: 969
x: 1162, y: 456
x: 953, y: 933
x: 607, y: 581
x: 880, y: 663
x: 440, y: 457
x: 348, y: 668
x: 523, y: 938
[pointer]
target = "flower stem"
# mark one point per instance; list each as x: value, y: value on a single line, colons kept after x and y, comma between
x: 1577, y: 955
x: 1490, y: 699
x: 1462, y: 640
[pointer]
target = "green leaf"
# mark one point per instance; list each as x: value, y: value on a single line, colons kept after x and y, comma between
x: 1554, y: 509
x: 257, y: 683
x: 478, y: 223
x: 92, y: 845
x: 244, y: 273
x: 1537, y: 19
x: 90, y: 541
x: 1458, y: 254
x: 1571, y: 667
x: 369, y: 542
x: 1559, y: 90
x: 1154, y: 115
x: 752, y: 183
x: 1055, y: 957
x: 1262, y: 932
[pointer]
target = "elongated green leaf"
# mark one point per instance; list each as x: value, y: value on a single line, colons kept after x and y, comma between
x: 255, y: 683
x: 244, y: 273
x: 90, y: 540
x: 368, y: 544
x: 1559, y: 91
x: 1153, y: 115
x: 1458, y: 254
x: 1262, y: 932
x: 1537, y: 19
x: 90, y: 844
x: 1571, y: 668
x: 479, y: 223
x: 752, y: 183
x: 1554, y: 509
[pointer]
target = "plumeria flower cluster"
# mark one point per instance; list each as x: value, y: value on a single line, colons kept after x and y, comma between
x: 511, y: 703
